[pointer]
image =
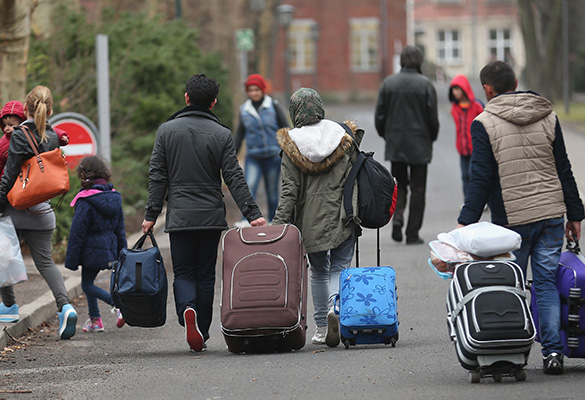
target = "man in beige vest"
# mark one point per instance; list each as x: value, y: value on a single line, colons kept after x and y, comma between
x: 519, y: 163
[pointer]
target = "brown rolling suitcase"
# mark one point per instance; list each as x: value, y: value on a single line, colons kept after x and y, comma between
x: 264, y: 289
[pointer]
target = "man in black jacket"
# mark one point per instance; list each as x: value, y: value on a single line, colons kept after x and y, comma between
x: 407, y: 118
x: 192, y: 151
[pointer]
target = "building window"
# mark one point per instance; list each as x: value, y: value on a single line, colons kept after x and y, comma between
x: 500, y: 45
x: 302, y: 45
x: 448, y: 47
x: 364, y: 44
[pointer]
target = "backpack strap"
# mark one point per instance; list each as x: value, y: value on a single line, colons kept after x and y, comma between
x: 350, y: 133
x: 349, y: 183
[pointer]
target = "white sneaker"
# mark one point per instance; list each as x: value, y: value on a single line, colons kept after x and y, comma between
x: 242, y: 224
x: 332, y: 338
x: 319, y: 336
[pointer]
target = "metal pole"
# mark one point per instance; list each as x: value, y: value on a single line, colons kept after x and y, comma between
x: 566, y: 55
x: 103, y: 96
x: 287, y: 88
x: 384, y: 37
x: 474, y: 67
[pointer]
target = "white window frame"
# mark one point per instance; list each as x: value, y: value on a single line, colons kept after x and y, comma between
x: 302, y: 46
x: 368, y: 59
x: 448, y: 46
x: 500, y: 43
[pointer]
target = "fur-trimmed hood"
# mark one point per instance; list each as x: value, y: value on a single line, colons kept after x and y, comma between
x: 315, y: 149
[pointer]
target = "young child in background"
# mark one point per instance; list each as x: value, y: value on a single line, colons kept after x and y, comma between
x: 11, y: 116
x: 465, y: 107
x: 97, y: 235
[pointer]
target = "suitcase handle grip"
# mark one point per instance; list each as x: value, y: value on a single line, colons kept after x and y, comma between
x: 573, y: 245
x: 140, y: 242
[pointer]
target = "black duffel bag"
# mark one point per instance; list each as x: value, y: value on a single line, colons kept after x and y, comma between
x: 139, y: 285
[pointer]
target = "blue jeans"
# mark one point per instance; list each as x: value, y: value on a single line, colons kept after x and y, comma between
x: 326, y: 267
x: 543, y: 242
x: 465, y: 162
x: 194, y: 255
x: 269, y: 168
x: 93, y: 293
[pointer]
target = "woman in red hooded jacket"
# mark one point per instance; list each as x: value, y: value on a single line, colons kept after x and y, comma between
x: 465, y: 107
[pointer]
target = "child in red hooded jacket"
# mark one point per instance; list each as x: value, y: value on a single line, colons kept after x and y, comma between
x: 11, y: 116
x: 465, y: 107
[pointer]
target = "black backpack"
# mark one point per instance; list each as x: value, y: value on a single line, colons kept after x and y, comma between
x: 377, y: 189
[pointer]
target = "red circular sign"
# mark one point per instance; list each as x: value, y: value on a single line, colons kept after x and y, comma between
x: 82, y: 141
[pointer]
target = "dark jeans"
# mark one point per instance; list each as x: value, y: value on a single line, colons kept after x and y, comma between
x: 413, y: 177
x: 465, y: 173
x: 93, y: 292
x: 194, y: 255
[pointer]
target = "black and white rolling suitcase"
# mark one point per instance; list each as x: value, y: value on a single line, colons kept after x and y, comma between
x: 489, y: 319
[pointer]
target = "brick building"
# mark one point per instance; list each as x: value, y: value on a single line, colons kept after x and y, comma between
x: 341, y: 48
x: 461, y: 36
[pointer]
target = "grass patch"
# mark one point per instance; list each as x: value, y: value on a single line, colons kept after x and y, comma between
x: 575, y: 116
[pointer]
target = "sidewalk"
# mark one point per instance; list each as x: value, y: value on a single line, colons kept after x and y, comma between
x: 35, y: 300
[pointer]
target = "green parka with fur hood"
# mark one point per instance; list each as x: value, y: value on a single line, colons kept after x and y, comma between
x: 315, y: 163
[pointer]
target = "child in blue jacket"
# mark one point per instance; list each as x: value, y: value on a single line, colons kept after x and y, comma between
x: 97, y: 235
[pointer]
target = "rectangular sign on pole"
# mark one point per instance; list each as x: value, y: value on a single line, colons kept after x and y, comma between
x: 245, y: 39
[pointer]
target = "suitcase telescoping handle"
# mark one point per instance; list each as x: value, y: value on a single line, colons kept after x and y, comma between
x: 142, y: 239
x: 357, y: 249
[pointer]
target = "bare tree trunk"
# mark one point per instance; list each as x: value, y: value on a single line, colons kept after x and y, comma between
x: 541, y: 24
x: 528, y: 27
x: 14, y: 39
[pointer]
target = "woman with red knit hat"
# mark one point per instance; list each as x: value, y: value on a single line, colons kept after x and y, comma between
x: 260, y: 118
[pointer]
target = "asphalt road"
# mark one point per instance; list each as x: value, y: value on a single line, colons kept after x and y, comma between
x: 136, y: 363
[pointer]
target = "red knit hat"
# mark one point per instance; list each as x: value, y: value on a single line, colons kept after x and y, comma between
x: 12, y: 108
x: 256, y: 79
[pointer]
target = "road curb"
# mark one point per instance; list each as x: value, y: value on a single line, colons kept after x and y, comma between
x: 43, y: 308
x: 39, y: 311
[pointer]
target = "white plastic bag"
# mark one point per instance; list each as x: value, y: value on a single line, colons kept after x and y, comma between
x: 483, y: 239
x: 12, y: 268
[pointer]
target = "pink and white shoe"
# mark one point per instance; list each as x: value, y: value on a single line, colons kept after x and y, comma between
x: 93, y: 325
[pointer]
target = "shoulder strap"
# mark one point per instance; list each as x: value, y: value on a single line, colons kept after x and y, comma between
x: 31, y: 139
x: 350, y: 133
x: 351, y: 177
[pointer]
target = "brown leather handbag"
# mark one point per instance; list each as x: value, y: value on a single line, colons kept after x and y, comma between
x: 42, y: 177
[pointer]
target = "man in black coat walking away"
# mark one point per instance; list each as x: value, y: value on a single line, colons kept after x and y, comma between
x: 407, y: 118
x: 192, y: 151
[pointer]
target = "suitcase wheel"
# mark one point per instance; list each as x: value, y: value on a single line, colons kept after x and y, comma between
x: 497, y: 377
x: 474, y: 377
x: 520, y: 375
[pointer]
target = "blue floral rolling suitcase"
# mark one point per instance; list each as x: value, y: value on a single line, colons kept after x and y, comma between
x: 366, y: 304
x: 571, y: 288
